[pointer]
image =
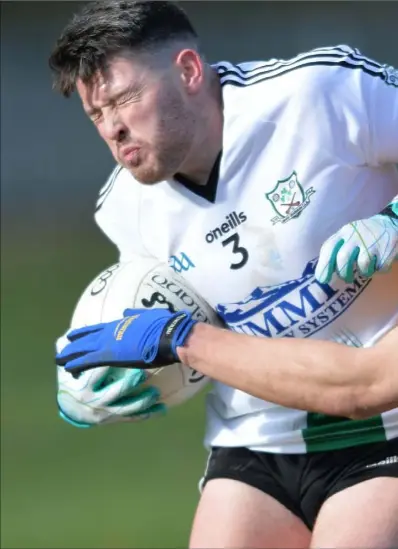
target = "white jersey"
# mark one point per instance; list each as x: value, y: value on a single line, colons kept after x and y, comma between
x: 309, y: 145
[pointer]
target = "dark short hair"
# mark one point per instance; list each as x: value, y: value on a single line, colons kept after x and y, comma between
x: 105, y: 28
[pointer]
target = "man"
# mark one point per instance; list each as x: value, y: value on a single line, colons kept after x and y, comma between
x: 273, y: 186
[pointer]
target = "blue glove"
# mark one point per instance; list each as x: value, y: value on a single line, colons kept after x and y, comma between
x: 144, y: 338
x: 365, y: 246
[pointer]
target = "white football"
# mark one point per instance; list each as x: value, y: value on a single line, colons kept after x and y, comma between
x: 145, y: 282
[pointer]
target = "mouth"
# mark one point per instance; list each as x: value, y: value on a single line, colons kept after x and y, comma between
x: 130, y: 154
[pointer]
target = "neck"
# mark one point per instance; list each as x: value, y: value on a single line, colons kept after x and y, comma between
x: 199, y: 163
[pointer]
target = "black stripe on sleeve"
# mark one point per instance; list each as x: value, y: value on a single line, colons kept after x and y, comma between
x: 236, y: 75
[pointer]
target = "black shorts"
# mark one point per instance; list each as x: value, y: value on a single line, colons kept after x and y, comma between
x: 303, y: 482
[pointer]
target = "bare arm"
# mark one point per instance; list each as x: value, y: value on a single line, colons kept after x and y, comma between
x: 316, y: 376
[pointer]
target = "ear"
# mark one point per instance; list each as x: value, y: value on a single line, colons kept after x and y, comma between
x: 191, y: 70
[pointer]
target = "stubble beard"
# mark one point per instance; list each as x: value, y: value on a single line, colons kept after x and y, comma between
x: 172, y: 142
x: 172, y: 148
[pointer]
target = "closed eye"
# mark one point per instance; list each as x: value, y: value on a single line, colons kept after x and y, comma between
x: 128, y: 98
x: 94, y: 115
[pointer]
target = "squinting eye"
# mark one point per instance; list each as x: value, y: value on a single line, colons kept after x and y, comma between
x: 131, y: 98
x: 124, y: 101
x: 95, y: 118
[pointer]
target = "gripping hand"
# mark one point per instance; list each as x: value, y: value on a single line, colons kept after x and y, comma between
x: 105, y: 395
x: 144, y: 338
x: 365, y: 246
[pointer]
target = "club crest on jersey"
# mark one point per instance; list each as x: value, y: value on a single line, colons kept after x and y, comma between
x: 288, y: 198
x: 391, y: 76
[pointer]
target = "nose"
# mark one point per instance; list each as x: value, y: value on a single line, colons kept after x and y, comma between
x: 114, y: 129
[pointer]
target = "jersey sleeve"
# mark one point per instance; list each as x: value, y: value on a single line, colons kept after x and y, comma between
x: 117, y: 213
x: 351, y: 106
x: 380, y: 96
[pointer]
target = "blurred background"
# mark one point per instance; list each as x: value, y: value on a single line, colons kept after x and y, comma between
x: 130, y: 486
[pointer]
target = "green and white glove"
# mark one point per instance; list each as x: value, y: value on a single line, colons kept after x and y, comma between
x: 105, y: 395
x: 365, y: 246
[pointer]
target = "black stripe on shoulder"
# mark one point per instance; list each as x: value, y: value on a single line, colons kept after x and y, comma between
x: 333, y: 52
x: 235, y: 75
x: 107, y: 188
x: 262, y: 76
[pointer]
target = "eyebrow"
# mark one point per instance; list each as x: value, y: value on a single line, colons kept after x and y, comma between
x: 133, y: 88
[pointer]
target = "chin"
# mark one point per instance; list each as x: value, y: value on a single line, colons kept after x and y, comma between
x: 150, y: 177
x: 149, y: 182
x: 147, y: 179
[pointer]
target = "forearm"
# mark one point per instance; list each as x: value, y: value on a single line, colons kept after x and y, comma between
x: 317, y: 376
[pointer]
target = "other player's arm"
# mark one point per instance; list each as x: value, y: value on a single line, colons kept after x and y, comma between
x: 318, y: 376
x: 367, y: 99
x: 380, y: 97
x: 354, y: 107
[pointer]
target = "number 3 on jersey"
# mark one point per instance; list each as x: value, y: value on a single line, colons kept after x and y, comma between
x: 236, y: 249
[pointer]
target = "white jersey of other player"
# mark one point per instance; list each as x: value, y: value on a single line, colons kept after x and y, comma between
x: 309, y: 145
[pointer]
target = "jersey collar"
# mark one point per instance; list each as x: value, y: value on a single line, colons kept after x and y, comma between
x: 207, y: 191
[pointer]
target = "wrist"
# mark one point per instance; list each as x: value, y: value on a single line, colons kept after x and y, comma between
x: 197, y: 333
x: 174, y: 333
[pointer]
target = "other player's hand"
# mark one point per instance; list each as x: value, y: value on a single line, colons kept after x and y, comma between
x: 142, y: 339
x: 105, y: 395
x: 365, y: 246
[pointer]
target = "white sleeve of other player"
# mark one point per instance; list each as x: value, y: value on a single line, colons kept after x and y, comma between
x: 373, y: 87
x: 380, y: 96
x: 351, y: 107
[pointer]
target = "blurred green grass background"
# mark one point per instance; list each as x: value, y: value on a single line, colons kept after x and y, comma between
x: 125, y: 486
x: 108, y: 487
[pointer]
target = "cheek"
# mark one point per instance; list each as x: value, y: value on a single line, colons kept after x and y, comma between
x: 140, y: 120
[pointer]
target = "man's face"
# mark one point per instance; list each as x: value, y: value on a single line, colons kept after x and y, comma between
x: 143, y: 115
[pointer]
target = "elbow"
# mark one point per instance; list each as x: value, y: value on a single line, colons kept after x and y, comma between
x: 373, y: 386
x: 353, y: 403
x: 352, y: 408
x: 370, y: 402
x: 361, y: 412
x: 369, y: 391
